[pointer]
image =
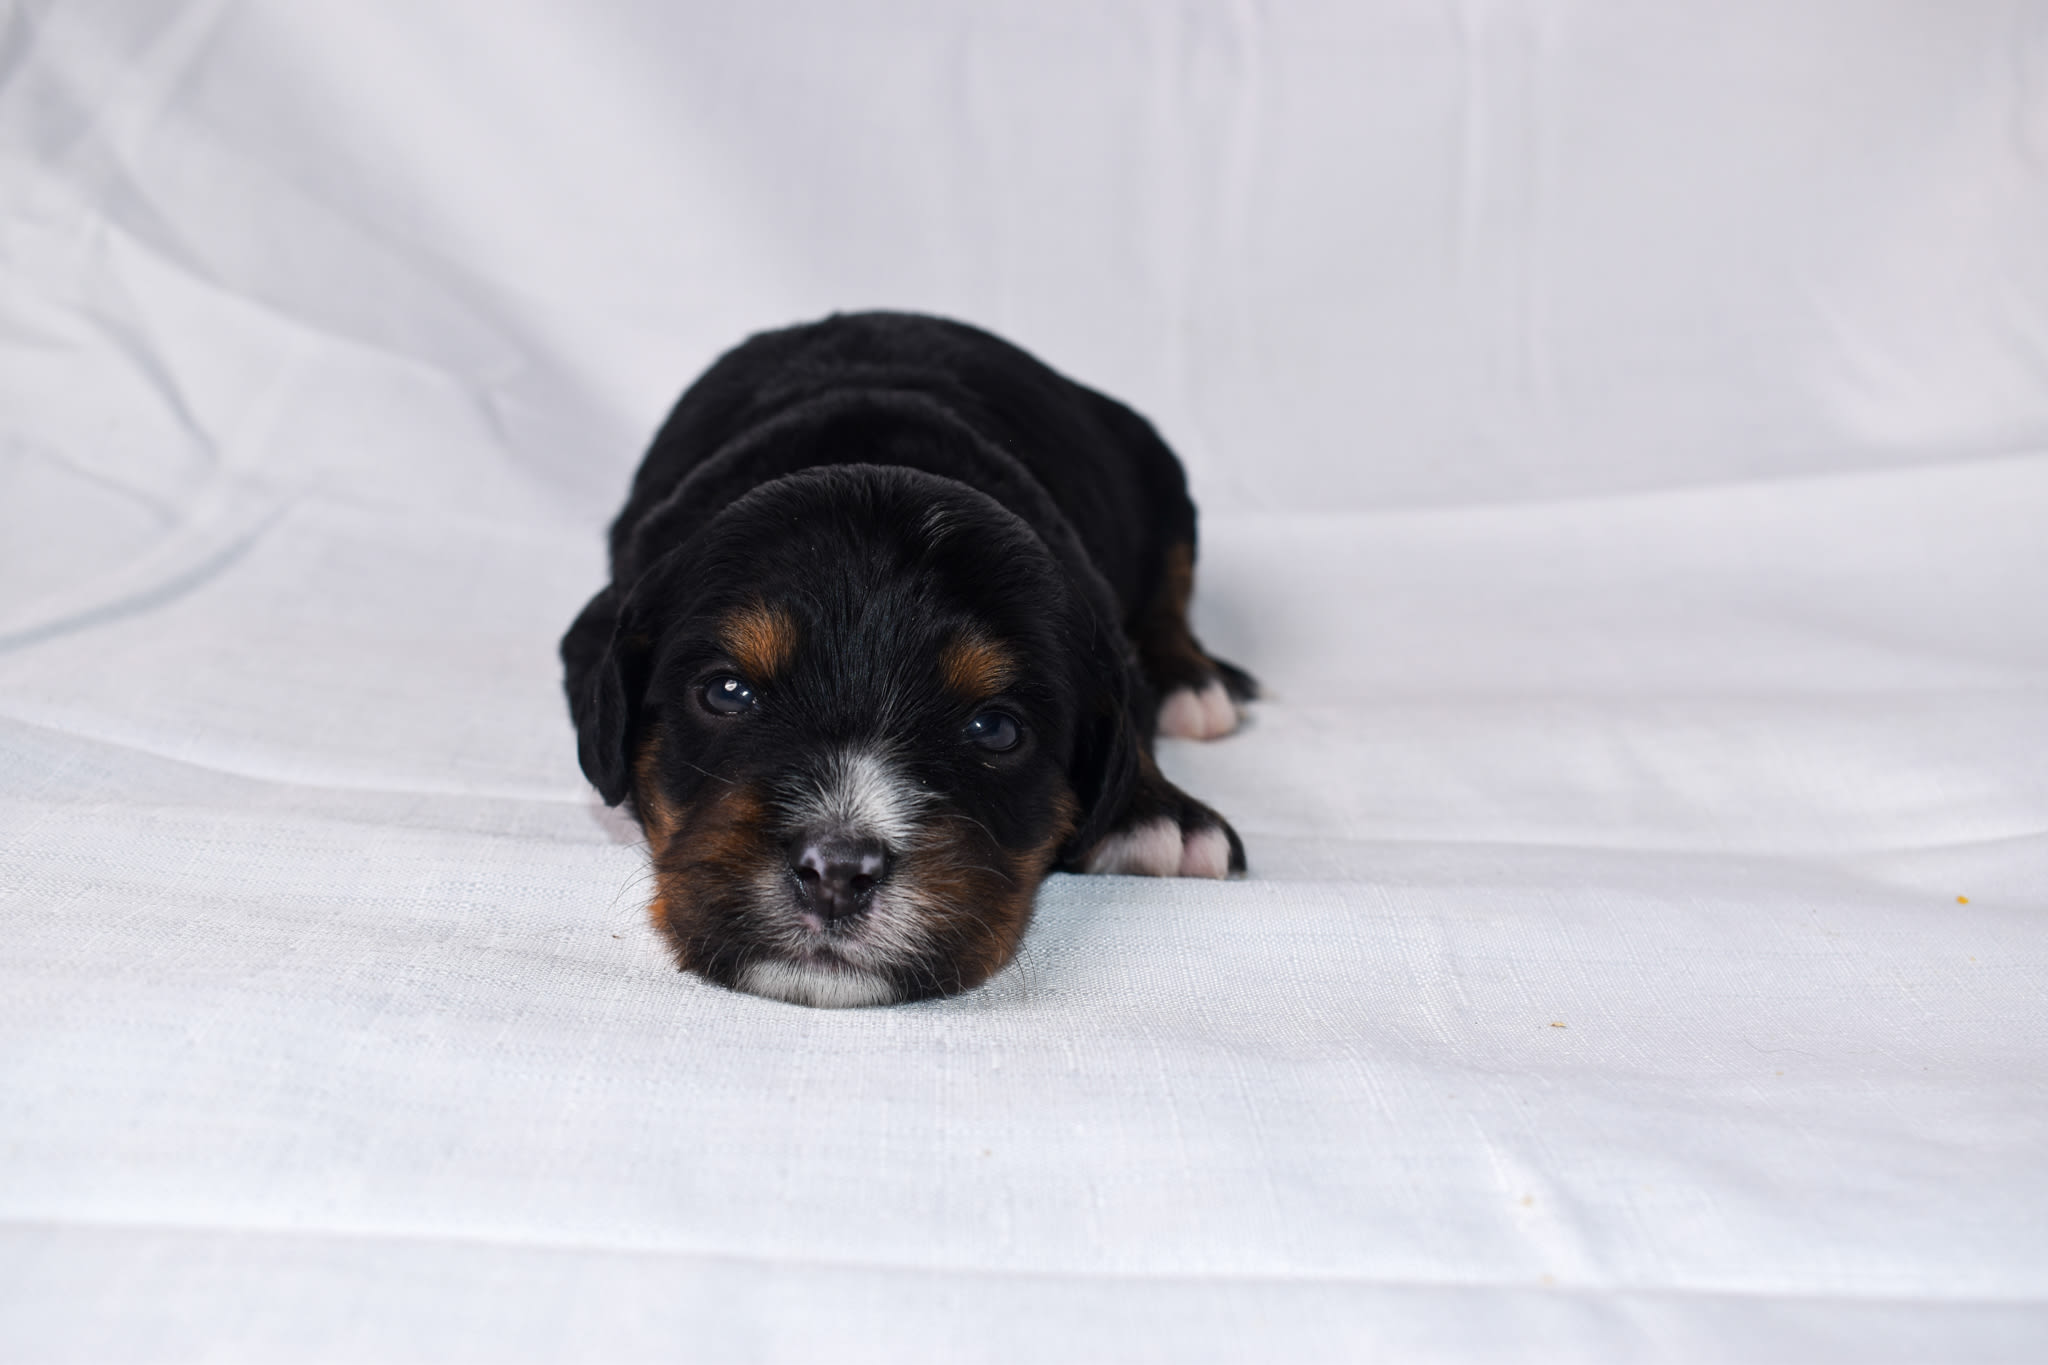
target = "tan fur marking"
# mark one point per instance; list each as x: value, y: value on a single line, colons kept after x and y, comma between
x: 1006, y: 908
x: 976, y: 667
x: 1160, y: 629
x: 1034, y: 863
x: 657, y: 817
x: 719, y: 843
x: 760, y: 638
x: 1177, y: 587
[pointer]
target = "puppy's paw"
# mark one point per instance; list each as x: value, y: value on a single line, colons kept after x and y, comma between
x: 1206, y: 712
x: 1191, y: 841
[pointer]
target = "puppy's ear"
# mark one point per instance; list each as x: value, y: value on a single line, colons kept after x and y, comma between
x: 1108, y: 744
x: 604, y: 675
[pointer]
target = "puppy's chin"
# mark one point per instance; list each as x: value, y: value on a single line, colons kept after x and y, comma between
x: 865, y: 959
x: 822, y: 984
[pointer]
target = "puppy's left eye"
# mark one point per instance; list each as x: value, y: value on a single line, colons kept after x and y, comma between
x: 995, y: 731
x: 726, y: 695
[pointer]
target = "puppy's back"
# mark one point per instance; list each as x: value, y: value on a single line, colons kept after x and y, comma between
x: 1103, y: 466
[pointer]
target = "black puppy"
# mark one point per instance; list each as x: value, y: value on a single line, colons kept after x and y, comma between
x: 895, y: 612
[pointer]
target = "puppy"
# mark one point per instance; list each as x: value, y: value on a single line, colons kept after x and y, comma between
x: 895, y: 614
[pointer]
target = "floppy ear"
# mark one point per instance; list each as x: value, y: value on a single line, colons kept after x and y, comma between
x: 1108, y: 744
x: 604, y: 675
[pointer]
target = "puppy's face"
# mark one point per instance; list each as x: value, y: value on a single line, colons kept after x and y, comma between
x: 855, y: 752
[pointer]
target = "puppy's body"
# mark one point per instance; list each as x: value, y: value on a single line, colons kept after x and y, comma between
x: 894, y: 609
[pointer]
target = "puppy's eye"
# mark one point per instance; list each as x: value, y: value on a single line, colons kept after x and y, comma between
x: 995, y: 731
x: 728, y: 696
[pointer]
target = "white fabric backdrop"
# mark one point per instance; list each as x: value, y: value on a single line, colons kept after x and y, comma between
x: 1623, y: 437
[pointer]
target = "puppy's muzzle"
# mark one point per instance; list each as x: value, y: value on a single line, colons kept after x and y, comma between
x: 837, y: 873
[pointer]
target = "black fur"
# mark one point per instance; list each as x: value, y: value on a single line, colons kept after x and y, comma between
x: 890, y: 483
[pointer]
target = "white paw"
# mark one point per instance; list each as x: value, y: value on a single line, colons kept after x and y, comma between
x: 1160, y: 848
x: 1207, y: 714
x: 1205, y: 853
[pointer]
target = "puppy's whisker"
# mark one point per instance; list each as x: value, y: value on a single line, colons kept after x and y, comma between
x: 982, y: 867
x: 708, y: 773
x: 964, y: 818
x: 632, y: 883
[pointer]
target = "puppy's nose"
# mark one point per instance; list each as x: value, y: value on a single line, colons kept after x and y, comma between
x: 838, y: 875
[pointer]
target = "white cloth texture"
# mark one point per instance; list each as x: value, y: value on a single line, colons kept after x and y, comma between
x: 1621, y: 434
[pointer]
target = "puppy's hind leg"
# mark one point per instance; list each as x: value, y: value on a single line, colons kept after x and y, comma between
x: 1200, y: 697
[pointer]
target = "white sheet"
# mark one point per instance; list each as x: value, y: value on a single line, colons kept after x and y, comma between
x: 1624, y: 446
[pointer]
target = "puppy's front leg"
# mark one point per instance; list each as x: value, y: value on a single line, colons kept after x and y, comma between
x: 1164, y: 832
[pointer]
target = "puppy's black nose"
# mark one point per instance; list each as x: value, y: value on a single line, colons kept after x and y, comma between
x: 838, y: 875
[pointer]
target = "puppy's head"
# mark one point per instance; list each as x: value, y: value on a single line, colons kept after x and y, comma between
x: 860, y: 715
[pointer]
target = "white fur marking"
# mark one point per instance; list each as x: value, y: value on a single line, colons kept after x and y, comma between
x: 1207, y: 714
x: 1153, y: 849
x: 1180, y: 715
x: 1206, y: 853
x: 802, y: 983
x: 1218, y: 710
x: 891, y: 931
x: 863, y: 794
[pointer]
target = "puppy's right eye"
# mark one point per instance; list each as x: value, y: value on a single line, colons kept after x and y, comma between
x: 995, y: 731
x: 726, y: 695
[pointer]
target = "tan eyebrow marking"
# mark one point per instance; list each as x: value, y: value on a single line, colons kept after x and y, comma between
x: 760, y: 638
x: 975, y: 666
